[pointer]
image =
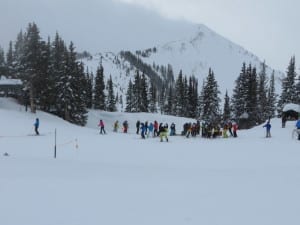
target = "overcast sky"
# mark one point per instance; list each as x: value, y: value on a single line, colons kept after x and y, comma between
x: 268, y: 28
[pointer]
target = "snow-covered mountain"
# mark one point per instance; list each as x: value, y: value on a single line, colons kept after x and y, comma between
x: 108, y: 27
x: 193, y: 53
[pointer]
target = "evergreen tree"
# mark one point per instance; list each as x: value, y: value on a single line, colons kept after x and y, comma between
x: 56, y: 70
x: 226, y: 109
x: 195, y: 97
x: 65, y: 94
x: 162, y: 98
x: 79, y: 112
x: 288, y: 94
x: 262, y: 105
x: 89, y: 89
x: 19, y: 56
x: 211, y: 100
x: 238, y: 100
x: 30, y: 63
x: 180, y: 95
x: 251, y: 97
x: 111, y: 100
x: 170, y: 75
x: 10, y: 61
x: 192, y: 98
x: 186, y: 99
x: 244, y: 99
x: 152, y: 98
x: 169, y: 106
x: 200, y: 101
x: 99, y: 95
x: 137, y: 98
x: 129, y: 98
x: 71, y: 100
x: 43, y: 84
x: 3, y: 69
x: 271, y: 104
x: 144, y: 94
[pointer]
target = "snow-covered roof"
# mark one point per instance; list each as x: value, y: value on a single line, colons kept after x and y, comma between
x: 7, y: 81
x: 291, y: 106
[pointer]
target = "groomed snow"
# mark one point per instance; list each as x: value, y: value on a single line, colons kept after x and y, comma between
x: 119, y: 178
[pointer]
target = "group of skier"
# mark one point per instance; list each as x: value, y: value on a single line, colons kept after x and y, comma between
x: 210, y: 130
x: 154, y: 129
x: 207, y: 130
x: 124, y: 128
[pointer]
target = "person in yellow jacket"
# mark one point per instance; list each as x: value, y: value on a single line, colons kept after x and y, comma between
x: 116, y: 126
x: 163, y: 132
x: 225, y: 129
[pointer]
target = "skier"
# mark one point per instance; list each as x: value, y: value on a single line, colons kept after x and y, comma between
x: 36, y: 126
x: 225, y: 129
x: 116, y: 126
x: 268, y: 129
x: 173, y: 129
x: 230, y: 128
x: 138, y: 127
x: 298, y: 128
x: 188, y: 129
x: 155, y: 126
x: 101, y: 125
x: 163, y: 132
x: 143, y: 129
x: 125, y: 126
x: 234, y: 128
x: 150, y: 129
x: 146, y: 127
x: 160, y: 129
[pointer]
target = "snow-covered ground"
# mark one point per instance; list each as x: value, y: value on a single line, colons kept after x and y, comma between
x: 119, y: 178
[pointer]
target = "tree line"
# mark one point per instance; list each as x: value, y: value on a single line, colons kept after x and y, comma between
x: 56, y: 81
x: 253, y: 100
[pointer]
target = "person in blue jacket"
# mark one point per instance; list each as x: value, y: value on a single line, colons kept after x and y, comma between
x: 298, y: 128
x: 268, y: 129
x: 36, y: 126
x: 143, y: 130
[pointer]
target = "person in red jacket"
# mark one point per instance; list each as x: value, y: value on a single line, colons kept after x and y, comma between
x: 234, y: 129
x: 155, y: 126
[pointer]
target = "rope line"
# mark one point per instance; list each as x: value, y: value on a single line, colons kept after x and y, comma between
x: 69, y: 142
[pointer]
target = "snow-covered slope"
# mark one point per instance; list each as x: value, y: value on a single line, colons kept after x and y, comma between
x: 121, y: 179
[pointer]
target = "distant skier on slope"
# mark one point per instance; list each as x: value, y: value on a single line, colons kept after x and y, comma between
x: 268, y: 129
x: 101, y: 125
x: 298, y: 128
x: 36, y: 126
